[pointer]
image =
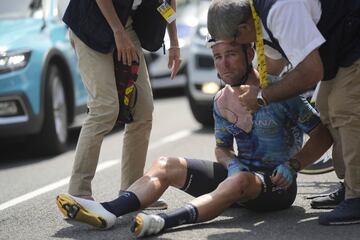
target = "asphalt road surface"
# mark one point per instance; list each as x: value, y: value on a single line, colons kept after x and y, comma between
x: 29, y: 185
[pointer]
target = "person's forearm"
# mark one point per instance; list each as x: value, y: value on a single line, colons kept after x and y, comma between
x: 172, y: 30
x: 319, y: 142
x: 108, y: 10
x: 224, y: 155
x: 301, y: 79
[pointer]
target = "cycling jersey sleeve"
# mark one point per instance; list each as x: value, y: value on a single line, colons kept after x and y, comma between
x: 302, y: 113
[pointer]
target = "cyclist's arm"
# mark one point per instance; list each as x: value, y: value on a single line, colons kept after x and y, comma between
x: 224, y: 150
x: 224, y: 155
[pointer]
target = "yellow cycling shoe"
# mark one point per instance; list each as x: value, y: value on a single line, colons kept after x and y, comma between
x: 85, y: 211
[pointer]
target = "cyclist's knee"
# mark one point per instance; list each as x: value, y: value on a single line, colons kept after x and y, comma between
x: 168, y: 169
x: 236, y: 186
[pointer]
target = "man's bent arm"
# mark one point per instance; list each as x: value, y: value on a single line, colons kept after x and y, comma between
x: 319, y: 142
x: 301, y: 79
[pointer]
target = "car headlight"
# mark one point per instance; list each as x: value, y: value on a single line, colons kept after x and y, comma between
x: 201, y: 35
x: 11, y: 61
x: 210, y: 88
x: 202, y: 31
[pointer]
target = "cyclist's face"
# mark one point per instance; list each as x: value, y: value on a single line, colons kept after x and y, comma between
x: 229, y: 62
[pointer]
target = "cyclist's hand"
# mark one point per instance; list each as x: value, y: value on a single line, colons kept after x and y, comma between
x: 125, y: 48
x: 283, y: 176
x: 236, y: 166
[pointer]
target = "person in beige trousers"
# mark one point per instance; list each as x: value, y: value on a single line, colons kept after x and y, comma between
x: 97, y: 73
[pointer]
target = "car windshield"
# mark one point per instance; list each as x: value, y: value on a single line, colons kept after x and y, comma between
x: 10, y: 9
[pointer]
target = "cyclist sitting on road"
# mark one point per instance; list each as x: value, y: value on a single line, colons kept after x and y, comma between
x: 260, y: 176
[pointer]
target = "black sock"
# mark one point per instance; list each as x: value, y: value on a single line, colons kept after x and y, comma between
x: 184, y: 215
x: 125, y: 203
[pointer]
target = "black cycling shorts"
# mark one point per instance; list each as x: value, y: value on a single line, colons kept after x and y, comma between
x: 204, y: 176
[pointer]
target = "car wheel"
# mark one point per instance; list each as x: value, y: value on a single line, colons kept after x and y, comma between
x: 54, y: 134
x: 202, y: 112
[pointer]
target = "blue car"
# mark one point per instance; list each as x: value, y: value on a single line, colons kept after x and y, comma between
x: 41, y: 93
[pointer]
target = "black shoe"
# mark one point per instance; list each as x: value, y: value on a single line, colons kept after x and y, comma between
x: 329, y: 201
x: 347, y: 212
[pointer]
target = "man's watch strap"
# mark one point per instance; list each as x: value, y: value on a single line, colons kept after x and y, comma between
x: 260, y: 99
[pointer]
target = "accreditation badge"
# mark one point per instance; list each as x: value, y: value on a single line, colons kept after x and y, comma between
x: 167, y: 12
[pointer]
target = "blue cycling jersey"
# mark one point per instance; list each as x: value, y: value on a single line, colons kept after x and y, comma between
x: 276, y: 133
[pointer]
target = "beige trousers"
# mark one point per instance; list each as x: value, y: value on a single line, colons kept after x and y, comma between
x: 97, y: 73
x: 338, y: 102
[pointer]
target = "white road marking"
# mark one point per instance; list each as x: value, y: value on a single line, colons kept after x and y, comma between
x: 171, y: 138
x: 308, y: 219
x: 101, y: 166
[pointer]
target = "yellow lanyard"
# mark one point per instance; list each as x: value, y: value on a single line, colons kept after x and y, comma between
x: 260, y: 52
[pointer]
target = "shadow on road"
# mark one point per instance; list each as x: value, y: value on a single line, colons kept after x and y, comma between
x: 293, y: 223
x: 235, y: 223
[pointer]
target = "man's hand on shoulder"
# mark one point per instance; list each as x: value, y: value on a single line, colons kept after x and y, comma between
x: 248, y: 97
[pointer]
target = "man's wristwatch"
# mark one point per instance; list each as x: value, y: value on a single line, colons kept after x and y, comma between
x: 260, y: 99
x: 295, y: 164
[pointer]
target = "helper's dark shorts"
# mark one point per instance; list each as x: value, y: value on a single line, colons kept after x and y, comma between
x: 204, y: 177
